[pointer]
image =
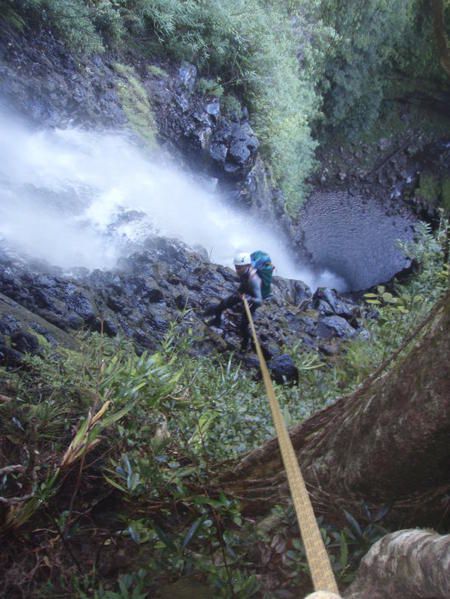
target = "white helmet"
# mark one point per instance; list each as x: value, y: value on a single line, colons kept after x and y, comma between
x: 242, y: 259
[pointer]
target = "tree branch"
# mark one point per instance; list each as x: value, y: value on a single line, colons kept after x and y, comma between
x: 441, y: 34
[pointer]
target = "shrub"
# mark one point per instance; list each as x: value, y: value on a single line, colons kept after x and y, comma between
x: 230, y: 105
x: 376, y: 45
x: 210, y: 86
x: 72, y: 20
x: 156, y: 71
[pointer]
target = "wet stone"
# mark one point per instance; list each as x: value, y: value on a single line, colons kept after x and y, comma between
x: 155, y: 296
x: 334, y: 325
x: 283, y: 370
x: 188, y: 76
x: 25, y: 343
x: 239, y: 152
x: 8, y: 324
x: 218, y: 152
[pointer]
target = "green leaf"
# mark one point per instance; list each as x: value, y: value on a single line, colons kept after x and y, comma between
x: 343, y: 557
x: 192, y: 531
x: 353, y: 524
x: 115, y: 484
x: 165, y: 538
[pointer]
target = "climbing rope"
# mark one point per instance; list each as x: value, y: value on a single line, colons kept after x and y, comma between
x: 316, y: 554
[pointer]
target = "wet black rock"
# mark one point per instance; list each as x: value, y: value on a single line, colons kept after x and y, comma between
x: 209, y: 140
x: 8, y: 324
x: 9, y: 357
x: 151, y: 289
x: 330, y: 326
x: 301, y: 294
x: 328, y: 302
x: 42, y: 80
x: 283, y: 370
x: 25, y: 343
x: 188, y: 76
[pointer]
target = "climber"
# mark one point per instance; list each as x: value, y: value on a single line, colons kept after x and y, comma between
x: 250, y: 286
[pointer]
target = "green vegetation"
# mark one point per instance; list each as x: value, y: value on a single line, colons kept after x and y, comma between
x: 428, y: 188
x: 210, y: 86
x: 367, y: 37
x: 159, y: 72
x: 130, y: 447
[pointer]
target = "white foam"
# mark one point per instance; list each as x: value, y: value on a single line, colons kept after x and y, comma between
x: 62, y: 191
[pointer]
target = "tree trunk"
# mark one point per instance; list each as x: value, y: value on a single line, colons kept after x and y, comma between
x: 387, y: 442
x: 441, y: 34
x: 407, y: 564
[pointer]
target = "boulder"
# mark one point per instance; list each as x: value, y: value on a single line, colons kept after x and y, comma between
x: 327, y: 301
x: 330, y: 326
x: 9, y: 357
x: 23, y: 342
x: 187, y: 74
x: 283, y: 370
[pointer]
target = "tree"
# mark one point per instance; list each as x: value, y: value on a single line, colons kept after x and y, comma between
x: 440, y: 33
x: 407, y: 563
x: 385, y: 443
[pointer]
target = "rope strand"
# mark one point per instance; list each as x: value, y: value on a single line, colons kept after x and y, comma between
x: 319, y: 564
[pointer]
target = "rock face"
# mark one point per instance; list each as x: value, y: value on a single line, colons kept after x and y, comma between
x: 166, y: 282
x: 40, y: 79
x: 223, y: 146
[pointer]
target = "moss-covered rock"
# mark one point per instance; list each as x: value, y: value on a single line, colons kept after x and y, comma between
x: 136, y: 103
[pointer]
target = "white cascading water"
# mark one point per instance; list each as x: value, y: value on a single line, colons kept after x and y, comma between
x: 64, y: 193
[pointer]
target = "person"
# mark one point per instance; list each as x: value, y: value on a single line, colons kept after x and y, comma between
x: 250, y: 286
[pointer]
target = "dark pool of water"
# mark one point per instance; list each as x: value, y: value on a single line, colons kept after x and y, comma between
x: 356, y: 237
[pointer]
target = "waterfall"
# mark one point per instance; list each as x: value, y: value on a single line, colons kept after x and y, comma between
x: 83, y: 198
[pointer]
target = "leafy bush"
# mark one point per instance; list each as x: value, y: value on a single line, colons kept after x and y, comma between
x: 210, y: 86
x: 157, y: 71
x: 66, y: 402
x: 230, y: 105
x: 367, y: 37
x: 72, y: 20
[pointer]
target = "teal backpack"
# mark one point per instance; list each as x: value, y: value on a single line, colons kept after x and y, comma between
x: 264, y: 267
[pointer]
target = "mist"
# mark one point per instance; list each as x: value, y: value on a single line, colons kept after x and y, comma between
x: 78, y: 198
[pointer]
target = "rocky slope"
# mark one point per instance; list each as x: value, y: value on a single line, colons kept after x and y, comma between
x: 166, y: 283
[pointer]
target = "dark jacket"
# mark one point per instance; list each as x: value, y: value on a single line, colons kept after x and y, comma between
x: 250, y: 285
